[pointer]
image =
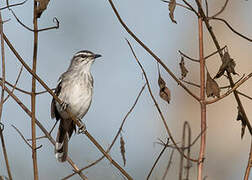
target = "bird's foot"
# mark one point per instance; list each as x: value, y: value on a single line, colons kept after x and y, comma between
x: 82, y: 128
x: 64, y: 106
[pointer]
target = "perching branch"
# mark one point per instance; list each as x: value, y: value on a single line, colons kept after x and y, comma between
x: 77, y: 122
x: 28, y: 112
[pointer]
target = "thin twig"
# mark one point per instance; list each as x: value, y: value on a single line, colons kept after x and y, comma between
x: 206, y: 7
x: 244, y: 95
x: 222, y: 9
x: 156, y: 104
x: 33, y: 96
x: 28, y: 112
x: 55, y: 20
x: 178, y: 4
x: 231, y: 28
x: 159, y: 156
x: 192, y: 59
x: 230, y: 90
x: 168, y: 165
x: 249, y: 165
x: 12, y: 5
x: 15, y: 85
x: 2, y: 98
x: 150, y: 52
x: 189, y: 5
x: 115, y: 138
x: 190, y: 83
x: 22, y: 136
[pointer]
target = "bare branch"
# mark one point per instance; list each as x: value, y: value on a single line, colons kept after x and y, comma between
x: 12, y: 5
x: 55, y: 20
x: 157, y: 106
x: 14, y: 86
x: 244, y: 95
x: 191, y: 83
x: 249, y: 165
x: 159, y: 156
x: 192, y: 59
x: 22, y: 136
x: 168, y: 165
x: 231, y: 90
x: 178, y: 4
x: 231, y: 28
x: 222, y: 9
x: 151, y: 53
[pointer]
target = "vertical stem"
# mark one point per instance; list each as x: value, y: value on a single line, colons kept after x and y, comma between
x: 246, y: 176
x: 33, y: 95
x: 202, y: 100
x: 2, y: 100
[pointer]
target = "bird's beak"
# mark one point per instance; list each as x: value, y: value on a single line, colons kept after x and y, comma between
x: 97, y: 56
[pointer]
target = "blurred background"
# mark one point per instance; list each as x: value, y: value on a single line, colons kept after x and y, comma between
x: 87, y: 24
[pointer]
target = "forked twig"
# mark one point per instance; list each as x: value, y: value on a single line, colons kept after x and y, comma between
x: 55, y: 20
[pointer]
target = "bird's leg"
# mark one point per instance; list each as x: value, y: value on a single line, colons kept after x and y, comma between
x: 82, y: 128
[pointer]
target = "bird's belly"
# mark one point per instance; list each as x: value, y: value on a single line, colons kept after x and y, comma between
x: 78, y: 101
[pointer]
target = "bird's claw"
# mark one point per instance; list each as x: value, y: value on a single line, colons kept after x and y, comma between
x: 82, y: 128
x: 63, y: 106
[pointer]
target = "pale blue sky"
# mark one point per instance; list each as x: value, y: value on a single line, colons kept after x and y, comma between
x: 87, y: 24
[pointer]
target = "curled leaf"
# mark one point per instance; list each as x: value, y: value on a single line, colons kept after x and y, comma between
x: 122, y: 147
x: 183, y: 69
x: 212, y: 88
x: 228, y: 64
x: 164, y: 92
x: 241, y: 118
x: 171, y: 6
x: 42, y: 5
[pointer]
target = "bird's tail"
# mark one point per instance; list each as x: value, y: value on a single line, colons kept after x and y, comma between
x: 64, y: 133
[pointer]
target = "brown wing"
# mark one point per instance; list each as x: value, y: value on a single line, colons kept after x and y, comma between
x: 54, y: 111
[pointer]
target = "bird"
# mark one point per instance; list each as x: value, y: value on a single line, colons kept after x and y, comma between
x: 75, y: 90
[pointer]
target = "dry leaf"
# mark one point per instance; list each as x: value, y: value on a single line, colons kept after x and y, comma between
x: 122, y: 147
x: 172, y: 5
x: 41, y: 7
x: 241, y: 118
x: 183, y: 69
x: 164, y: 92
x: 212, y: 88
x: 227, y: 64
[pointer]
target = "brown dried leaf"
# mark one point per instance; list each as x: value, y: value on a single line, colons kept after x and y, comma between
x: 227, y: 64
x: 161, y: 82
x: 41, y: 6
x: 122, y: 147
x: 172, y: 5
x: 183, y: 69
x: 243, y: 122
x: 212, y: 88
x: 164, y: 92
